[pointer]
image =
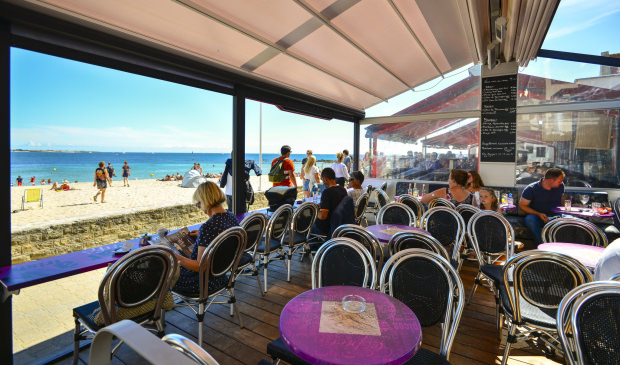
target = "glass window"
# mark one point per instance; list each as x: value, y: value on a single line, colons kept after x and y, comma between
x: 583, y: 144
x: 420, y: 150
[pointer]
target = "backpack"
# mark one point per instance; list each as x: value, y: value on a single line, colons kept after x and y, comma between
x: 249, y: 193
x: 276, y: 174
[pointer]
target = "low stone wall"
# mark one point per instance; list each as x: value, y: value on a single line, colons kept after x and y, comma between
x: 57, y: 239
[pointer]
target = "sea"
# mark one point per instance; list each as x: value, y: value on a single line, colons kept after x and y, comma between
x: 80, y: 166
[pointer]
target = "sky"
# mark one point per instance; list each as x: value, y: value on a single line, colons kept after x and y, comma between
x: 59, y: 104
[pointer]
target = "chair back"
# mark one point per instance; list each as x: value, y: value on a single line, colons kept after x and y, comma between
x: 384, y: 186
x: 537, y: 282
x: 303, y: 220
x: 140, y: 276
x: 278, y: 225
x: 574, y: 230
x: 441, y: 202
x: 360, y: 208
x: 254, y: 225
x: 413, y: 239
x: 490, y: 234
x: 616, y: 208
x: 32, y: 194
x: 343, y: 261
x: 396, y: 213
x: 430, y: 286
x: 381, y: 198
x: 415, y: 205
x: 447, y: 226
x: 363, y: 236
x: 467, y: 211
x: 221, y: 258
x: 587, y: 324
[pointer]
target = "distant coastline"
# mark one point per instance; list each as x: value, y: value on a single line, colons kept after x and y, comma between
x: 58, y: 151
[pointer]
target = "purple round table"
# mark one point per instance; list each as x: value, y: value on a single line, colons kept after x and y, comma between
x: 384, y: 232
x: 581, y: 212
x: 587, y: 255
x: 312, y: 326
x: 507, y: 206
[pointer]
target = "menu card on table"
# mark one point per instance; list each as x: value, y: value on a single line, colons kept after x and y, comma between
x: 334, y: 319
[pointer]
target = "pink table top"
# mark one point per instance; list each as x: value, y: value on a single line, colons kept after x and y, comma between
x: 398, y: 338
x: 581, y: 212
x: 587, y: 255
x: 384, y: 232
x: 507, y: 206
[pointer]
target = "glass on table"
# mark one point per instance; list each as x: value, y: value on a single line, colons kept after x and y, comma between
x: 584, y: 199
x: 353, y: 304
x: 567, y: 205
x: 595, y: 207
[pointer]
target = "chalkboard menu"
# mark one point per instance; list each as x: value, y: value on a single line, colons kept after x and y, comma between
x: 498, y: 124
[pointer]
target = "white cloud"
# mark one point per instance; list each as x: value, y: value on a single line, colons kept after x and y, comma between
x: 583, y: 24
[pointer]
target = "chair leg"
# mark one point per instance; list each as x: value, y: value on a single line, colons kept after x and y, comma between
x: 233, y: 302
x: 265, y: 263
x: 287, y: 262
x: 260, y: 285
x: 76, y: 342
x: 200, y: 316
x: 473, y: 289
x: 510, y: 339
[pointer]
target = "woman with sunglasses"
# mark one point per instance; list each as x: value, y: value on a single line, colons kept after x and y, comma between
x: 209, y: 198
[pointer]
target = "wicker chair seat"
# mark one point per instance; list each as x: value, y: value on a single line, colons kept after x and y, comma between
x: 299, y: 238
x: 495, y: 272
x: 529, y: 313
x: 246, y: 258
x: 88, y: 312
x: 427, y: 357
x: 277, y: 349
x: 215, y: 286
x: 275, y: 245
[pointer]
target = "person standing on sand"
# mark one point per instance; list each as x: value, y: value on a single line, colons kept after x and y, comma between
x: 101, y: 181
x: 111, y: 173
x: 19, y: 180
x: 32, y: 180
x: 126, y: 174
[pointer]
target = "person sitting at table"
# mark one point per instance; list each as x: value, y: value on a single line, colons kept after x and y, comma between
x: 209, y: 198
x: 455, y: 192
x: 539, y: 198
x: 488, y: 200
x: 474, y: 184
x: 355, y: 185
x: 330, y: 199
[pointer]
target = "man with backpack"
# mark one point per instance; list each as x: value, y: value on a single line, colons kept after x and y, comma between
x: 282, y: 169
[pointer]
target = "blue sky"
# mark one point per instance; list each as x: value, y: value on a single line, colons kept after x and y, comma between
x: 66, y: 105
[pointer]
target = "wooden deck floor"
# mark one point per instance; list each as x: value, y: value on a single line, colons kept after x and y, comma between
x: 475, y: 343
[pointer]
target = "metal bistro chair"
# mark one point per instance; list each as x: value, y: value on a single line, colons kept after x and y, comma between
x: 380, y: 199
x: 491, y: 236
x: 180, y: 349
x: 447, y: 226
x: 360, y: 209
x: 254, y: 226
x: 134, y: 287
x: 441, y: 202
x: 574, y: 230
x: 220, y: 259
x: 415, y: 205
x: 299, y: 232
x: 366, y: 238
x: 587, y: 324
x: 534, y: 284
x: 429, y: 285
x: 413, y: 239
x: 396, y: 213
x: 340, y: 261
x: 467, y: 211
x: 273, y: 242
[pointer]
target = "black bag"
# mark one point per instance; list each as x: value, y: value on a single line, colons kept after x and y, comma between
x: 249, y: 193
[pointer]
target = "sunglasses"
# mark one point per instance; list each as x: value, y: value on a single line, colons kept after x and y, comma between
x: 198, y: 205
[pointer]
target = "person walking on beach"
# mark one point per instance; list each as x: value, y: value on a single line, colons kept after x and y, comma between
x: 126, y: 174
x: 287, y: 167
x: 19, y: 180
x: 346, y: 160
x: 101, y: 181
x: 32, y: 180
x: 110, y: 172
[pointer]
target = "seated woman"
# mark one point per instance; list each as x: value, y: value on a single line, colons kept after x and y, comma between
x: 455, y: 192
x: 474, y: 184
x: 209, y: 199
x: 65, y: 186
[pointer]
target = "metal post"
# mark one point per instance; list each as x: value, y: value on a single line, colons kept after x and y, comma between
x: 6, y: 320
x: 238, y: 141
x: 260, y: 144
x: 356, y: 145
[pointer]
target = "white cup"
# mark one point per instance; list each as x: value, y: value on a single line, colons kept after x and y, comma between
x: 353, y: 303
x: 162, y: 232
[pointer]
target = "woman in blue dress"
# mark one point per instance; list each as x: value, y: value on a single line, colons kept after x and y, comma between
x: 209, y: 198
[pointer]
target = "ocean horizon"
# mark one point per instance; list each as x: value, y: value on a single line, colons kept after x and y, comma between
x: 80, y: 166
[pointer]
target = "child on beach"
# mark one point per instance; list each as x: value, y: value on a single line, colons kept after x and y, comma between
x: 126, y: 174
x: 488, y: 200
x: 101, y: 181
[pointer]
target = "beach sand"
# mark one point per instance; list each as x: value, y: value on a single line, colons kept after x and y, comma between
x: 77, y: 203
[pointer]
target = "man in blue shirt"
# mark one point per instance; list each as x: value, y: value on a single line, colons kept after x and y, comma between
x: 539, y: 198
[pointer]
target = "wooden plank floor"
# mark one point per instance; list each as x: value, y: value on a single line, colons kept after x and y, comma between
x: 476, y: 341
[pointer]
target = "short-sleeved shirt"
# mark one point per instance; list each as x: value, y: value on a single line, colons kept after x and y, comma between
x: 542, y: 200
x: 330, y: 199
x: 355, y: 193
x: 347, y: 161
x: 188, y: 279
x: 287, y: 166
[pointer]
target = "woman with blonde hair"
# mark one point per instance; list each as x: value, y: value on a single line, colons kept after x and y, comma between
x: 311, y: 175
x: 340, y: 169
x: 209, y: 198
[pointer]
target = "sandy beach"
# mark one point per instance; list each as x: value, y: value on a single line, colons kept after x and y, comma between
x: 77, y: 203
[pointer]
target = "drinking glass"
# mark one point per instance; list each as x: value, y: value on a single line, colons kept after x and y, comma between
x: 567, y: 205
x: 353, y: 303
x: 595, y: 207
x: 584, y: 198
